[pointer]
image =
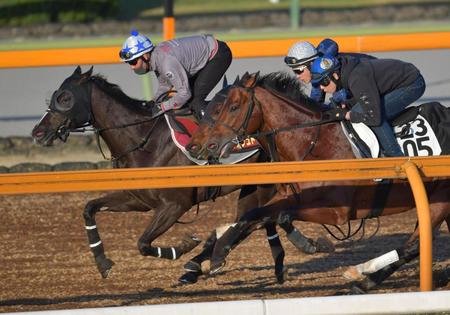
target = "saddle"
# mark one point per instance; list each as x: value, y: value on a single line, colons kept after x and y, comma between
x: 182, y: 125
x: 422, y: 130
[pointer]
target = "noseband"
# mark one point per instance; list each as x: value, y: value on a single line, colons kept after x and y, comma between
x: 241, y: 132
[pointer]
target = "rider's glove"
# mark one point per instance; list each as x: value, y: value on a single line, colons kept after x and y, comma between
x: 149, y: 104
x: 156, y: 109
x: 335, y: 114
x: 340, y: 96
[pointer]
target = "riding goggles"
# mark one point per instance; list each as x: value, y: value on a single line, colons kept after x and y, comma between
x: 133, y: 62
x: 294, y: 62
x: 300, y: 69
x: 125, y: 54
x: 318, y: 79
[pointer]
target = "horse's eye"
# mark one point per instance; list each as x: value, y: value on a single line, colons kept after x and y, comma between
x: 64, y: 99
x: 234, y: 107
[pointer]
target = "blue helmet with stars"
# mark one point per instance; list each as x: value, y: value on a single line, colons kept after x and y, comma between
x: 323, y: 67
x: 135, y: 46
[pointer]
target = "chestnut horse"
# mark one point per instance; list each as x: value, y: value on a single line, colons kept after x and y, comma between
x: 137, y: 140
x: 287, y: 124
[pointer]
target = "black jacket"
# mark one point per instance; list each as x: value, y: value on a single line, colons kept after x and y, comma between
x: 370, y: 79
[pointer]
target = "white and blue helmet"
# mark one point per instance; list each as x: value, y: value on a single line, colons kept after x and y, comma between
x: 135, y: 46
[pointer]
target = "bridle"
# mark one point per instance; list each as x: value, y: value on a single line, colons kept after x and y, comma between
x: 78, y: 117
x: 241, y: 132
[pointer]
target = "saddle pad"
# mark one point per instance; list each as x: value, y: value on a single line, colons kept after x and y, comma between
x: 420, y: 131
x: 182, y: 139
x: 365, y: 134
x: 417, y: 138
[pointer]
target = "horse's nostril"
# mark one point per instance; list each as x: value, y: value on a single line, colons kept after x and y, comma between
x: 193, y: 148
x: 212, y: 146
x: 37, y: 133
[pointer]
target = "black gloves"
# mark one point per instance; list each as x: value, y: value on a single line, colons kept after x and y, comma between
x: 156, y: 109
x: 152, y: 107
x: 335, y: 114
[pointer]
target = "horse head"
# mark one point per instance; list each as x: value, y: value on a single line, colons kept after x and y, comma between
x: 232, y: 117
x: 69, y: 109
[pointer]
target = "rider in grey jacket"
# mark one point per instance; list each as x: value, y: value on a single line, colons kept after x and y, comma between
x: 191, y: 66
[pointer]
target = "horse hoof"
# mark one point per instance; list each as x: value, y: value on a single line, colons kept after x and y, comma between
x: 216, y: 267
x: 189, y: 278
x: 192, y: 266
x: 324, y: 245
x: 104, y: 267
x: 353, y: 274
x: 356, y: 290
x: 282, y: 276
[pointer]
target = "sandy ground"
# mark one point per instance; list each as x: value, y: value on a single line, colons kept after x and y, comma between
x: 46, y: 263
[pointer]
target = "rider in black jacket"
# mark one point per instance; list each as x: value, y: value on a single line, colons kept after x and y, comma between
x: 380, y: 89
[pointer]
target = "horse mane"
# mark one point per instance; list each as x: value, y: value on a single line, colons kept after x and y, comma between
x: 115, y: 92
x: 286, y: 86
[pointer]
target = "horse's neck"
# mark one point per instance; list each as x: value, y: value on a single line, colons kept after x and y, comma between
x: 157, y: 147
x: 278, y: 112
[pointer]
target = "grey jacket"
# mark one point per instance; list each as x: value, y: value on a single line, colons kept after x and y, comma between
x: 177, y: 60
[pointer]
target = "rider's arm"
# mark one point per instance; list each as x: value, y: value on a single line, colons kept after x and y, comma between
x: 367, y: 99
x: 173, y: 73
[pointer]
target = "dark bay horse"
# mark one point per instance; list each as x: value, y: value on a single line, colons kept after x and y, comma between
x: 137, y: 140
x: 267, y: 107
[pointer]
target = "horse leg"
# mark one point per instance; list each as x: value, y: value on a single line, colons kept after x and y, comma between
x: 193, y: 267
x: 252, y: 196
x: 439, y: 211
x: 166, y: 215
x: 116, y: 202
x: 249, y: 222
x: 405, y: 255
x: 277, y: 252
x: 303, y: 243
x: 249, y: 196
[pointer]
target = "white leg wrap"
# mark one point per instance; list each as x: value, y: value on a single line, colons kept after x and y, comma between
x: 95, y: 244
x: 272, y: 236
x: 91, y: 227
x: 174, y: 254
x: 378, y: 263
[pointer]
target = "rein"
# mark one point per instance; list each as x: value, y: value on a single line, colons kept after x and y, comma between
x: 138, y: 146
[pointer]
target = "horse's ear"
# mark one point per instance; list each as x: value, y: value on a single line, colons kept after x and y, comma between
x: 225, y: 82
x: 243, y: 79
x: 85, y: 76
x: 89, y: 72
x: 236, y: 81
x: 77, y: 71
x: 249, y: 80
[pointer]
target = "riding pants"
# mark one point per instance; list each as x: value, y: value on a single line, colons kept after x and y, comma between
x: 207, y: 78
x: 393, y: 104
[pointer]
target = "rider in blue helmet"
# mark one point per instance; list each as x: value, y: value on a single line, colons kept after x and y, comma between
x: 190, y: 66
x: 379, y: 90
x: 301, y: 65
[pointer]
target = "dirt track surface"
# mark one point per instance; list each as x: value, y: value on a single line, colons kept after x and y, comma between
x: 46, y: 262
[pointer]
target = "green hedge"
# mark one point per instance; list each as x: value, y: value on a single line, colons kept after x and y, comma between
x: 26, y: 12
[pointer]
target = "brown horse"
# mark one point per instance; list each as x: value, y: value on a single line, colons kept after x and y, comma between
x: 137, y: 140
x: 274, y: 109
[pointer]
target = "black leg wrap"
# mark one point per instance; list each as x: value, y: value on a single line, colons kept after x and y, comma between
x: 277, y: 252
x: 301, y: 242
x: 285, y: 222
x: 104, y: 265
x: 190, y: 277
x: 194, y: 265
